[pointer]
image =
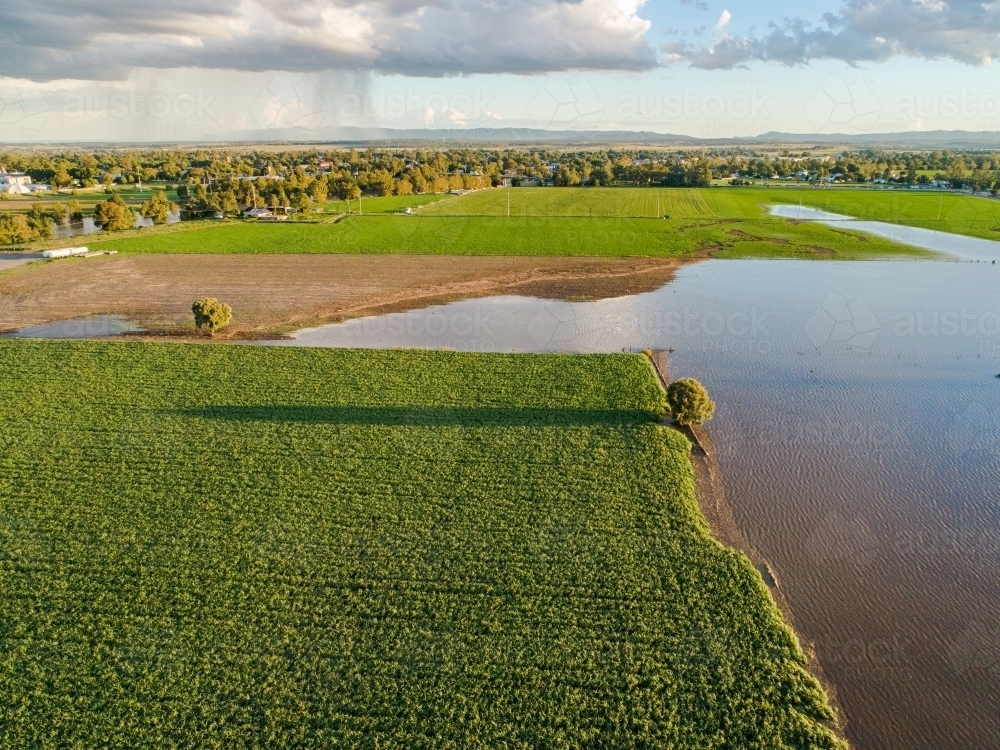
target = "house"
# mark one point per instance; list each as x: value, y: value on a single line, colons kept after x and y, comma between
x: 15, y: 183
x: 325, y: 166
x: 257, y: 213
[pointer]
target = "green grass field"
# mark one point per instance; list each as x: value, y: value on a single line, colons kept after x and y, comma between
x: 533, y: 235
x: 390, y: 204
x: 948, y: 212
x: 233, y: 547
x: 728, y: 222
x: 87, y: 198
x: 581, y: 202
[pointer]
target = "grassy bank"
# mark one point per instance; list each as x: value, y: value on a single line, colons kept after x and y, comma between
x: 253, y: 547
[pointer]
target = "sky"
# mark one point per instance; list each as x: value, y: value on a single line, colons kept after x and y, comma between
x: 196, y: 70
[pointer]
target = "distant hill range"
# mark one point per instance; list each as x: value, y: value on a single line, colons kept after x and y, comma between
x: 927, y: 139
x: 910, y: 139
x: 455, y: 135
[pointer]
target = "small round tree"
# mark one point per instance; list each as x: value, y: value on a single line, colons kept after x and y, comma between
x: 689, y: 402
x: 211, y: 314
x: 114, y: 214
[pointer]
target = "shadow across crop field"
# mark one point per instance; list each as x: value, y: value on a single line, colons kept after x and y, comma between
x: 414, y: 549
x: 421, y: 416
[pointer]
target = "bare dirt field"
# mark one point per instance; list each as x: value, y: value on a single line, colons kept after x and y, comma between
x: 274, y: 294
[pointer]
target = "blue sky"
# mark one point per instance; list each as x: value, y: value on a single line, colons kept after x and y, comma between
x: 99, y: 70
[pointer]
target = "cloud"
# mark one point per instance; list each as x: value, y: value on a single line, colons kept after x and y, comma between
x: 724, y: 18
x: 967, y: 31
x: 104, y: 39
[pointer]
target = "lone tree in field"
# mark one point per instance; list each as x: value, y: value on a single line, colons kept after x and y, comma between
x: 211, y: 314
x: 689, y: 402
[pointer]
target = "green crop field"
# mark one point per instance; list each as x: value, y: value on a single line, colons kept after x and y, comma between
x: 233, y: 547
x: 532, y: 235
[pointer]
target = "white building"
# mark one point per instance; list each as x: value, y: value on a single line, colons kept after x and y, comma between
x: 15, y: 183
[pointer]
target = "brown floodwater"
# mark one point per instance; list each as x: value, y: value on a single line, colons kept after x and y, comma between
x: 858, y: 428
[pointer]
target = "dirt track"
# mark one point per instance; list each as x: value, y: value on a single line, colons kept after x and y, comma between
x: 278, y: 293
x: 13, y: 260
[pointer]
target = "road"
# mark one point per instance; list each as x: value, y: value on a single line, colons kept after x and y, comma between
x: 12, y: 260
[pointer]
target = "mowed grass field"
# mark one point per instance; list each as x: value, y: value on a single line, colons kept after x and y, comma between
x: 88, y: 198
x: 535, y: 236
x: 389, y: 204
x: 954, y: 212
x: 232, y: 547
x: 543, y: 221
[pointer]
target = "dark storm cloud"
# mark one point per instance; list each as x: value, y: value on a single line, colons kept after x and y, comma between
x: 101, y: 39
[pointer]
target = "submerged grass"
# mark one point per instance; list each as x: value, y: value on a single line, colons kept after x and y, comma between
x: 254, y: 547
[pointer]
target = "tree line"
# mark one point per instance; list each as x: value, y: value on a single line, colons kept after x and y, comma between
x: 401, y: 171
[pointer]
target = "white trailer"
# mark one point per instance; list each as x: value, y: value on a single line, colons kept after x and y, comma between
x: 64, y: 252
